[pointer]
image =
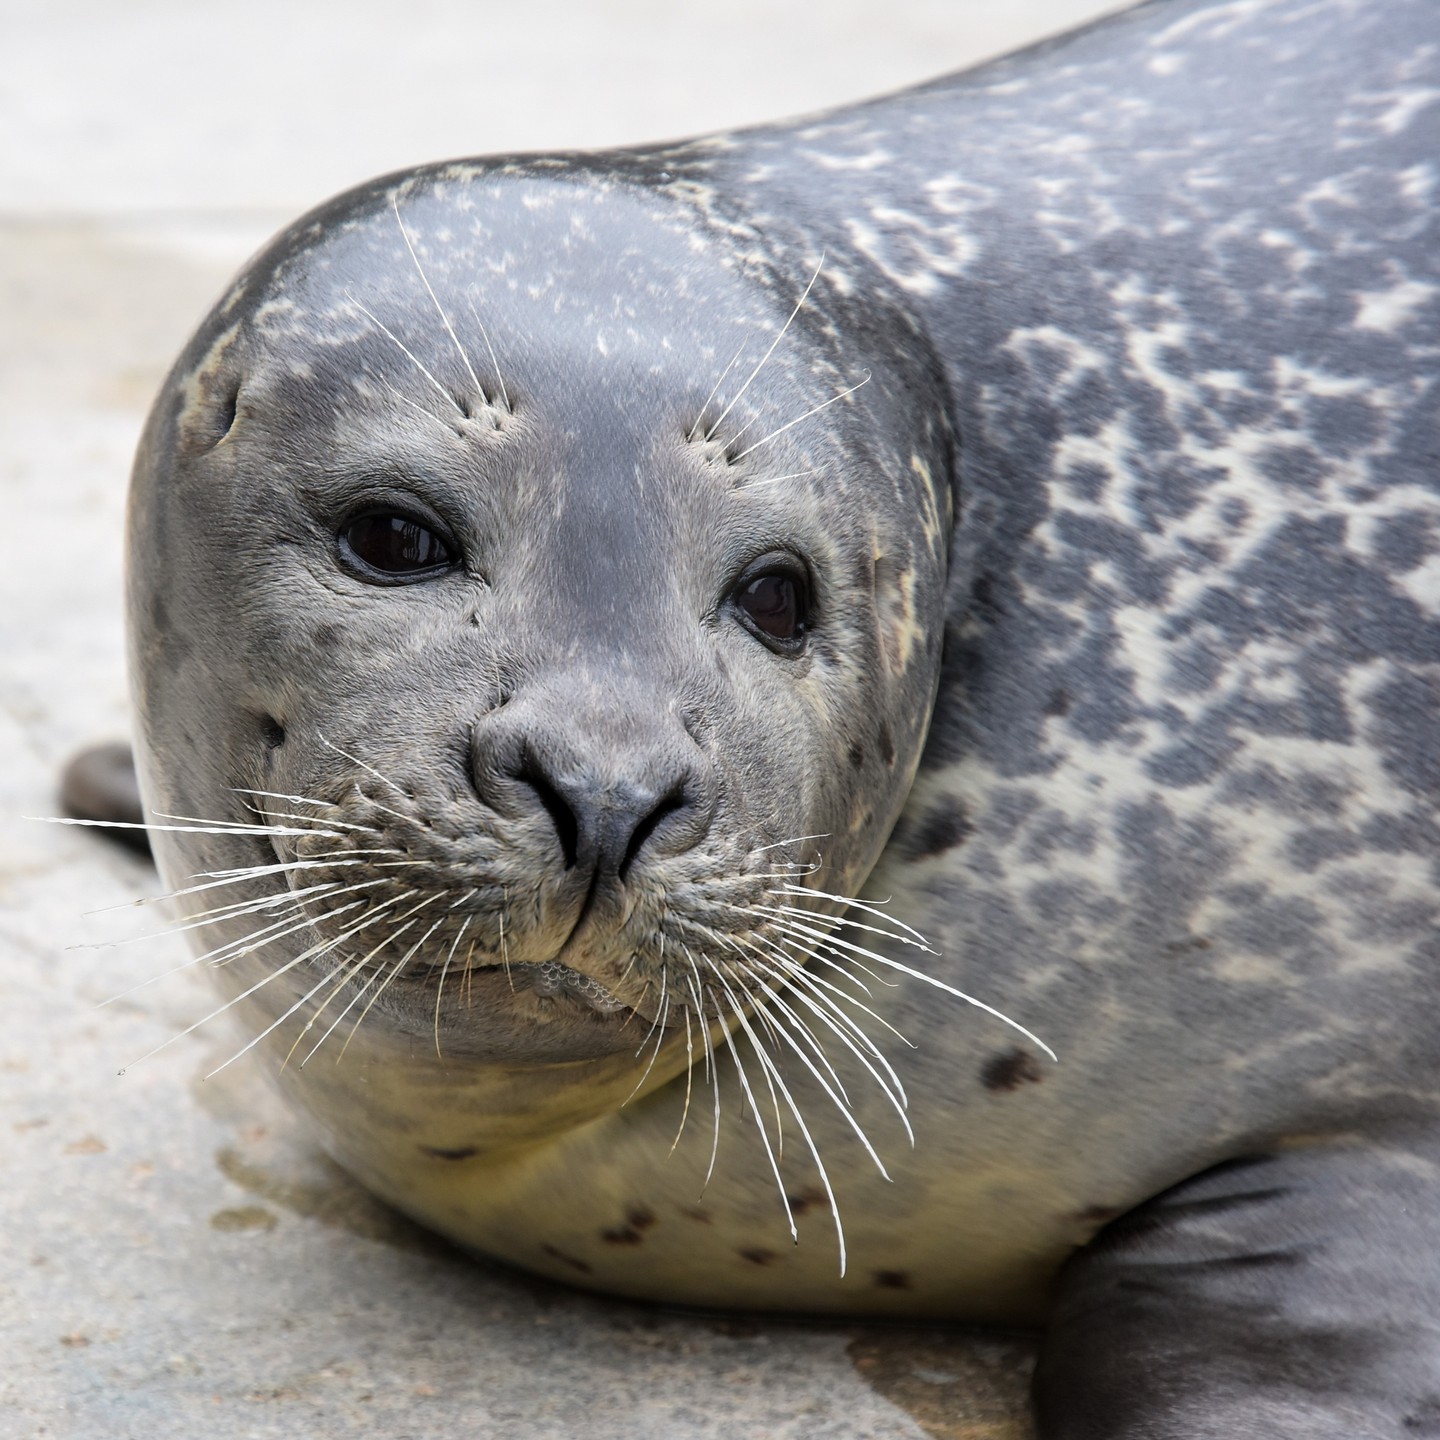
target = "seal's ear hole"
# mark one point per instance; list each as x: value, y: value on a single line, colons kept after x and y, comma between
x: 272, y: 732
x: 205, y: 426
x: 224, y: 414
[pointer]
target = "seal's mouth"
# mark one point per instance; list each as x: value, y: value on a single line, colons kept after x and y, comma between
x: 552, y: 980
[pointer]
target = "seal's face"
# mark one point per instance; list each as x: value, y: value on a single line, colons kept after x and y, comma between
x: 586, y: 664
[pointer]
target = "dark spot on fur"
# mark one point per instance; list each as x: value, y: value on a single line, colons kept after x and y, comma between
x: 1424, y: 1419
x: 1058, y: 703
x: 857, y: 756
x: 758, y: 1257
x: 565, y: 1259
x: 805, y: 1200
x: 1011, y: 1070
x: 983, y: 594
x: 632, y: 1232
x: 327, y: 636
x: 940, y: 830
x: 464, y: 1152
x: 1188, y: 945
x: 700, y: 1217
x: 892, y: 1279
x: 887, y: 745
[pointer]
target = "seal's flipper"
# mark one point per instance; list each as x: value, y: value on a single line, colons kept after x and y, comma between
x: 100, y: 784
x: 1295, y: 1295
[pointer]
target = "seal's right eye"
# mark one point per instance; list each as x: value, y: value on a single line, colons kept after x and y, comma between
x: 393, y: 548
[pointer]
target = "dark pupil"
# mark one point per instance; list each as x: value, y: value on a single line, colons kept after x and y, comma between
x: 396, y: 544
x: 771, y: 602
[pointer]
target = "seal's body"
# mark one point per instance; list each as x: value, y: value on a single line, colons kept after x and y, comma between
x: 585, y: 621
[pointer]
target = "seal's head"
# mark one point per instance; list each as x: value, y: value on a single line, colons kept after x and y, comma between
x: 514, y: 541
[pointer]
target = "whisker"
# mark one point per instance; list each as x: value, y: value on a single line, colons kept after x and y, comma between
x: 794, y: 1109
x: 288, y: 900
x: 312, y: 824
x: 200, y: 959
x: 694, y: 430
x: 737, y: 1003
x: 445, y: 970
x: 406, y: 351
x: 915, y: 974
x: 759, y: 1123
x: 281, y: 795
x: 395, y: 971
x: 689, y: 1079
x: 846, y: 922
x: 776, y: 479
x: 238, y: 828
x: 712, y: 1069
x: 804, y: 295
x: 485, y: 336
x: 244, y: 995
x: 429, y: 290
x: 275, y: 1025
x: 419, y: 409
x: 790, y: 425
x: 854, y: 904
x: 338, y: 979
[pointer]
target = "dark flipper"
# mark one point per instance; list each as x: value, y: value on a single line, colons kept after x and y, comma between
x: 100, y: 784
x: 1295, y: 1297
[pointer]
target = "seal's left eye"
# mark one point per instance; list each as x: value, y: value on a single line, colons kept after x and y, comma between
x: 775, y: 604
x: 397, y: 546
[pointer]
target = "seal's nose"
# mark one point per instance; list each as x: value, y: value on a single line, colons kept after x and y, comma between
x: 601, y: 825
x: 615, y: 778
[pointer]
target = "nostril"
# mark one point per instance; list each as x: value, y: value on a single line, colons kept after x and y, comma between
x: 668, y: 805
x: 567, y: 828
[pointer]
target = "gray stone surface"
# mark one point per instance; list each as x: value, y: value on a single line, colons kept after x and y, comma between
x: 178, y: 1259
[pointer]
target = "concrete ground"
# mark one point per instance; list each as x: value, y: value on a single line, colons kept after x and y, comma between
x: 178, y: 1260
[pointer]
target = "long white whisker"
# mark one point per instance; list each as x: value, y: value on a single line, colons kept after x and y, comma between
x: 854, y: 904
x: 337, y: 979
x: 809, y: 1141
x: 689, y: 1079
x: 826, y: 1008
x: 434, y: 299
x: 395, y: 972
x: 419, y: 409
x: 699, y: 419
x: 759, y: 1123
x: 735, y: 400
x: 915, y: 974
x: 281, y: 795
x: 275, y: 1025
x: 791, y: 424
x: 485, y: 336
x: 712, y: 1068
x: 244, y: 994
x: 232, y: 829
x: 445, y: 970
x: 219, y: 949
x: 843, y: 921
x: 406, y: 351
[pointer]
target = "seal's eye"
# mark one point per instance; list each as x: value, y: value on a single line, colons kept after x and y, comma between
x: 395, y: 547
x: 775, y: 604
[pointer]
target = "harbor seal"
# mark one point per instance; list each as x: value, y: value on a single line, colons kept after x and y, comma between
x: 625, y: 645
